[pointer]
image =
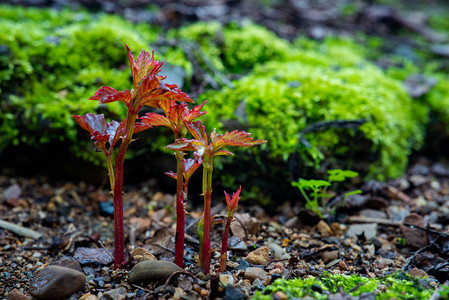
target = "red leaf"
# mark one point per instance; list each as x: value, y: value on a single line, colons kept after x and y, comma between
x: 233, y: 201
x: 189, y: 166
x: 91, y: 122
x: 198, y: 130
x: 171, y: 174
x: 234, y: 138
x: 155, y: 119
x: 107, y: 94
x: 144, y: 64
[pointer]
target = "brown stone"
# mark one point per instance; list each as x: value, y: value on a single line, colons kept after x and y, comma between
x: 415, y: 272
x: 15, y: 294
x: 324, y: 229
x: 260, y: 256
x: 150, y: 270
x: 54, y: 282
x: 328, y: 256
x: 414, y: 237
x: 253, y: 273
x: 141, y: 254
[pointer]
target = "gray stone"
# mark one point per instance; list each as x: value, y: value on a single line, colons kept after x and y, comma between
x: 55, y: 282
x: 252, y: 273
x: 115, y: 294
x: 278, y: 252
x: 150, y: 270
x: 368, y: 229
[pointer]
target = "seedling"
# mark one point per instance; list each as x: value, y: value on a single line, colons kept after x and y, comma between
x: 148, y: 90
x: 176, y: 116
x: 232, y: 203
x: 206, y: 149
x: 317, y: 196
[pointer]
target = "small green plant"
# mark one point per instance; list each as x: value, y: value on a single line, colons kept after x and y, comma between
x: 316, y: 193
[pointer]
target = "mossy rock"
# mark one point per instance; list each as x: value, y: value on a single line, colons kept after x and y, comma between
x: 52, y: 62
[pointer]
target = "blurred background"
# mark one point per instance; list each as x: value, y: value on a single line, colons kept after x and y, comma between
x: 360, y: 85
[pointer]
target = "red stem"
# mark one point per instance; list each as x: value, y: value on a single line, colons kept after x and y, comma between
x: 119, y: 236
x: 180, y: 215
x: 207, y: 190
x: 224, y: 245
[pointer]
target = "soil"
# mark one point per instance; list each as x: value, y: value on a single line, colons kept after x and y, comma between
x: 392, y: 226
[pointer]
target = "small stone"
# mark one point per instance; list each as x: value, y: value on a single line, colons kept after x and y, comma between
x: 226, y: 279
x: 369, y: 230
x: 253, y: 273
x: 236, y: 244
x: 414, y: 237
x: 88, y: 296
x: 328, y: 256
x: 260, y: 256
x: 280, y: 295
x: 234, y: 293
x: 12, y: 192
x: 15, y: 294
x: 115, y: 294
x: 417, y: 273
x: 149, y: 270
x: 324, y: 229
x: 54, y: 282
x: 97, y: 256
x: 68, y: 263
x: 141, y: 254
x: 279, y: 253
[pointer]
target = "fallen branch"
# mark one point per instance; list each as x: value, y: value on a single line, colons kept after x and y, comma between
x: 357, y: 219
x: 20, y: 230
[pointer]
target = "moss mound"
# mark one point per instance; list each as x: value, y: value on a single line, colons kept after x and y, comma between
x: 279, y: 99
x: 52, y: 62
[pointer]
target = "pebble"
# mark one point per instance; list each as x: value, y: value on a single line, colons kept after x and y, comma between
x: 149, y: 270
x: 324, y: 229
x: 328, y: 256
x: 234, y: 293
x: 279, y: 253
x: 280, y: 295
x: 15, y: 294
x: 141, y: 254
x: 415, y: 272
x: 253, y: 273
x: 115, y: 294
x: 369, y: 230
x: 260, y: 256
x: 226, y: 279
x: 54, y: 282
x: 414, y: 237
x: 97, y: 256
x: 236, y: 244
x: 68, y: 263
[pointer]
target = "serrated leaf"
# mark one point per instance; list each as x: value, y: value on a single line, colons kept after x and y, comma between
x: 107, y: 94
x: 341, y: 175
x: 155, y: 119
x: 141, y: 67
x: 233, y: 201
x: 234, y: 138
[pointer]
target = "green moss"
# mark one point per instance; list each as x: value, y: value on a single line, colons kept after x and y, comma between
x: 279, y: 99
x: 396, y: 286
x: 52, y: 62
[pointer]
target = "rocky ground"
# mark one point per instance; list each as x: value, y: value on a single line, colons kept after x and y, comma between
x: 52, y: 232
x: 64, y: 231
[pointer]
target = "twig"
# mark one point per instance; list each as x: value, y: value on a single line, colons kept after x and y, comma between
x: 20, y: 230
x: 141, y: 288
x: 179, y: 273
x: 443, y: 234
x: 357, y: 219
x: 432, y: 242
x: 102, y: 246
